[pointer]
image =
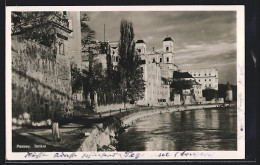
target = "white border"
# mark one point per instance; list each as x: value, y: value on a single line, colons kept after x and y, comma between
x: 239, y: 154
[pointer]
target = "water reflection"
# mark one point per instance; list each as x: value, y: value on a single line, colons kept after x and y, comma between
x: 194, y: 130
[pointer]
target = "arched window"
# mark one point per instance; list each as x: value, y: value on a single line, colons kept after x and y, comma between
x: 167, y: 48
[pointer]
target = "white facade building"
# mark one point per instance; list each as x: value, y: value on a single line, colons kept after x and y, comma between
x: 155, y: 66
x: 208, y: 78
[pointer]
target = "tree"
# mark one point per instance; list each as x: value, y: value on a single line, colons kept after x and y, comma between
x: 178, y: 85
x: 94, y: 80
x: 209, y: 94
x: 76, y: 78
x: 37, y: 26
x: 131, y: 81
x: 222, y: 91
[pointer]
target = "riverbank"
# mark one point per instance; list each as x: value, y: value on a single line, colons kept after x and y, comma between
x: 132, y: 118
x: 95, y: 133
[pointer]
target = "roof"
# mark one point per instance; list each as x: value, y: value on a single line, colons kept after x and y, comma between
x: 195, y: 83
x: 168, y: 39
x: 140, y: 41
x: 177, y: 74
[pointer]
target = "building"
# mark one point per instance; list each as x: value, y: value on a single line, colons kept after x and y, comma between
x: 74, y: 47
x: 157, y: 67
x: 114, y: 54
x: 153, y: 84
x: 41, y: 68
x: 164, y: 59
x: 229, y: 93
x: 191, y: 90
x: 208, y: 78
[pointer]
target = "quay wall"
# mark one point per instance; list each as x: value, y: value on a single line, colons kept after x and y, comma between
x: 106, y: 108
x: 132, y: 118
x: 103, y: 136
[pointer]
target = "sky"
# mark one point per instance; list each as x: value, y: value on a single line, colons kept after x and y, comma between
x: 202, y: 39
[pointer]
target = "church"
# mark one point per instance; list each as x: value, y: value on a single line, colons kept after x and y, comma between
x: 157, y: 71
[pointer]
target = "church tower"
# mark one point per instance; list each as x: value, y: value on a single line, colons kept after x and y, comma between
x: 140, y: 47
x: 168, y: 45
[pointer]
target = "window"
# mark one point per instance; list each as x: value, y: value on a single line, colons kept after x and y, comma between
x: 194, y: 74
x: 61, y: 48
x: 160, y: 59
x: 209, y: 85
x: 209, y: 79
x: 167, y: 59
x: 64, y: 13
x: 167, y: 48
x: 117, y: 59
x: 205, y: 79
x: 199, y: 74
x: 153, y: 59
x: 142, y: 69
x: 205, y: 74
x: 139, y: 50
x: 199, y: 80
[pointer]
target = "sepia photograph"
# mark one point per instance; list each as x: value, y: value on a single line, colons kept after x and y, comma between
x: 125, y: 83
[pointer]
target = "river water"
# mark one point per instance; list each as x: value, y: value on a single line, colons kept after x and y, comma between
x: 194, y: 130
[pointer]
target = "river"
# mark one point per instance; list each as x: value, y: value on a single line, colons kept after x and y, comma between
x: 193, y: 130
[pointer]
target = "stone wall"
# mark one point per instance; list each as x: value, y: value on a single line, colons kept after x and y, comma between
x: 40, y: 83
x: 108, y: 107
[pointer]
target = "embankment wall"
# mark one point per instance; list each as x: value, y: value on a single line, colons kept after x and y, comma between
x: 103, y: 138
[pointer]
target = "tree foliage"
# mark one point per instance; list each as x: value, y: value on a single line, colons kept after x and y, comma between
x: 222, y: 91
x: 87, y: 34
x: 209, y: 94
x: 178, y: 85
x: 131, y: 81
x: 36, y: 26
x: 76, y: 78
